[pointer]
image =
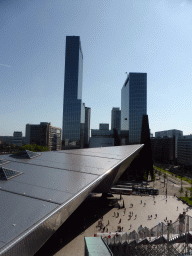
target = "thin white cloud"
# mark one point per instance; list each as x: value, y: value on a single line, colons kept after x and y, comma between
x: 5, y: 65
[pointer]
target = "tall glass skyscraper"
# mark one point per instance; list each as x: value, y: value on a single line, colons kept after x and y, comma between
x: 134, y: 105
x: 73, y: 108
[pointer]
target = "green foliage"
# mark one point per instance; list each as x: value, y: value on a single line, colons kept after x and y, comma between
x: 153, y: 178
x: 190, y: 191
x: 177, y: 176
x: 145, y: 178
x: 9, y: 148
x: 186, y: 193
x: 187, y: 200
x: 34, y: 148
x: 161, y: 170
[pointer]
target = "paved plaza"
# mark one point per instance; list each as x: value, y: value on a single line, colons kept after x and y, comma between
x: 162, y: 208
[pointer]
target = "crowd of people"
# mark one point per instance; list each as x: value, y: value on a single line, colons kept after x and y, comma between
x: 104, y: 228
x: 131, y: 216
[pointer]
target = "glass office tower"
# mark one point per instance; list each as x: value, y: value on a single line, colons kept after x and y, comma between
x: 73, y: 108
x: 134, y: 105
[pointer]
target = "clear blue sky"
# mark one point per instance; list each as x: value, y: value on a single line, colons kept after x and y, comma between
x: 153, y: 36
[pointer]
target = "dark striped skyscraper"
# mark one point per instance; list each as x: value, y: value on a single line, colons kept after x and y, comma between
x: 73, y: 108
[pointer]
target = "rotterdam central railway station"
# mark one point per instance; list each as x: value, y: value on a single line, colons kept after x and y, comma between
x: 39, y: 191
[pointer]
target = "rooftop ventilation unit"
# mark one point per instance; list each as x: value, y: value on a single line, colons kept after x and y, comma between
x: 2, y: 161
x: 6, y: 174
x: 25, y: 154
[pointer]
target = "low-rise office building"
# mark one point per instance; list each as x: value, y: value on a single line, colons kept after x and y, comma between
x: 16, y: 139
x: 103, y: 137
x: 44, y: 134
x: 170, y: 134
x: 184, y: 146
x: 163, y: 149
x: 96, y: 142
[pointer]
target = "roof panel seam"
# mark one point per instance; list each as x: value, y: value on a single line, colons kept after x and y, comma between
x: 16, y: 193
x: 93, y: 156
x: 42, y: 187
x: 51, y: 167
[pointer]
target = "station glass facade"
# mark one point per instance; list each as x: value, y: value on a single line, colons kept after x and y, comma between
x: 73, y: 108
x: 134, y: 105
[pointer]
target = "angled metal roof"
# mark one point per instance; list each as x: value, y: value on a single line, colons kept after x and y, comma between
x: 35, y: 204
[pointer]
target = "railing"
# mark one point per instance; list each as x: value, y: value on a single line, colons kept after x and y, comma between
x: 169, y: 232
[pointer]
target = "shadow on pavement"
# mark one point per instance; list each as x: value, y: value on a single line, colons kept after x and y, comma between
x: 91, y: 210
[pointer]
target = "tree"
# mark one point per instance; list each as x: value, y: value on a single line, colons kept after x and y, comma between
x: 145, y: 177
x: 34, y: 148
x: 153, y: 178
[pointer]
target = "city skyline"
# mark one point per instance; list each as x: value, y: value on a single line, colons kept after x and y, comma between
x: 153, y: 37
